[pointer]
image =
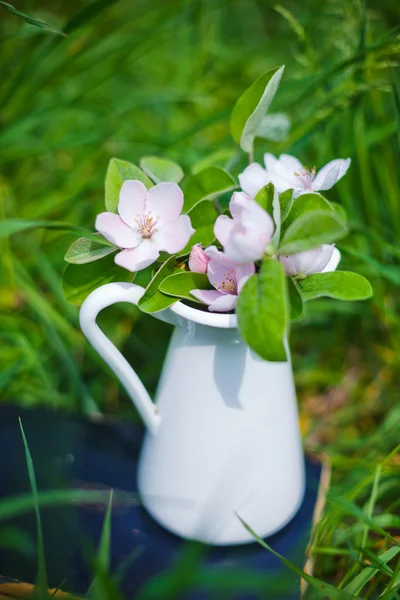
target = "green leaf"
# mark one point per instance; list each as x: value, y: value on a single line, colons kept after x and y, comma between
x: 144, y: 276
x: 304, y: 204
x: 327, y: 591
x: 265, y: 197
x: 356, y: 585
x: 263, y: 311
x: 83, y: 251
x: 276, y: 215
x: 13, y: 538
x: 102, y: 562
x: 285, y: 201
x: 342, y: 285
x: 21, y: 504
x: 10, y: 226
x: 218, y: 158
x: 80, y: 280
x: 295, y: 299
x: 119, y: 171
x: 208, y: 184
x: 161, y: 169
x: 42, y: 575
x: 395, y: 72
x: 252, y: 106
x: 181, y: 284
x: 310, y: 230
x: 274, y: 127
x: 268, y: 199
x: 153, y: 300
x: 203, y: 216
x: 339, y: 211
x: 32, y: 20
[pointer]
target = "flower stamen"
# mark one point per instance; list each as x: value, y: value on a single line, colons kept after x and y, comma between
x: 306, y: 177
x: 147, y: 224
x: 229, y: 283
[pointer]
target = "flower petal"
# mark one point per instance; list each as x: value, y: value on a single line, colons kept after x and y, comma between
x: 309, y: 262
x: 253, y: 178
x: 113, y: 228
x: 222, y: 228
x: 301, y: 263
x: 238, y: 203
x: 252, y: 233
x: 330, y: 174
x: 322, y: 260
x: 166, y: 201
x: 225, y: 303
x: 213, y: 252
x: 249, y: 214
x: 132, y: 199
x: 289, y: 265
x: 219, y: 272
x: 206, y: 296
x: 334, y: 262
x: 290, y: 163
x: 244, y: 248
x: 243, y: 273
x: 198, y: 259
x: 271, y: 162
x: 173, y: 237
x: 138, y: 258
x: 282, y: 171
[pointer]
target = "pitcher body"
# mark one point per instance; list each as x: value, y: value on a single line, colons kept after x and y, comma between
x: 223, y: 445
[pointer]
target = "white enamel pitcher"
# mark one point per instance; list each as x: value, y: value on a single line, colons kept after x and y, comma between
x: 222, y: 433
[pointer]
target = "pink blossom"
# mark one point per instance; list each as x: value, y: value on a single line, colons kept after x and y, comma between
x: 246, y: 236
x: 228, y: 279
x: 148, y: 222
x: 323, y: 259
x: 287, y: 172
x: 198, y: 259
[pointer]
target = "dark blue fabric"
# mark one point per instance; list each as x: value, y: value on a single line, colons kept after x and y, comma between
x: 69, y: 452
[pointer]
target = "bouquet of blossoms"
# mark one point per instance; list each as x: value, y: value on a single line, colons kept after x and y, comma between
x: 272, y: 250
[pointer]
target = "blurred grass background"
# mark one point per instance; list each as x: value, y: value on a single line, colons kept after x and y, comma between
x: 137, y: 78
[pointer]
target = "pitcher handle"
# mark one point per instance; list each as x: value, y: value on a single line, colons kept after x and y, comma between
x: 102, y: 297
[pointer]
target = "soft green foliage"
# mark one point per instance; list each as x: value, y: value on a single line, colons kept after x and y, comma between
x: 79, y: 280
x: 15, y: 506
x: 102, y: 561
x: 310, y: 230
x: 41, y: 565
x: 161, y: 169
x: 263, y: 311
x: 361, y: 580
x: 31, y: 20
x: 83, y: 250
x: 209, y: 183
x: 203, y: 216
x: 285, y: 201
x: 138, y: 79
x: 251, y: 107
x: 296, y: 300
x: 119, y: 171
x: 341, y: 285
x: 181, y: 284
x: 305, y: 204
x: 153, y: 300
x: 10, y: 226
x: 329, y: 592
x: 265, y: 198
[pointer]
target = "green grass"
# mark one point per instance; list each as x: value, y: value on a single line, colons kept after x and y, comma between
x: 138, y: 78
